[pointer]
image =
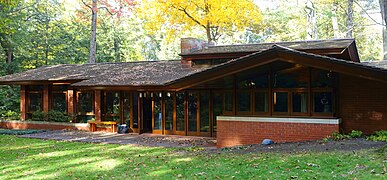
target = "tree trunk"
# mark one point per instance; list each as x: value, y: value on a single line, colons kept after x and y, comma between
x: 117, y: 50
x: 335, y: 25
x: 93, y: 37
x: 383, y: 9
x: 9, y: 54
x: 312, y: 30
x: 208, y: 31
x: 350, y: 19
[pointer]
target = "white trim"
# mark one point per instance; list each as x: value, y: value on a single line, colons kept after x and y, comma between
x: 280, y: 120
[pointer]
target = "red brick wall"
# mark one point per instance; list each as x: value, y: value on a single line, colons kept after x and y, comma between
x: 232, y: 133
x: 363, y: 104
x: 26, y: 125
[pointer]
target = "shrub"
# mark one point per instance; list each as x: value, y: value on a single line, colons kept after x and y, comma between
x: 57, y: 116
x: 355, y: 134
x: 38, y: 116
x: 9, y: 114
x: 378, y: 136
x: 338, y: 136
x: 53, y: 116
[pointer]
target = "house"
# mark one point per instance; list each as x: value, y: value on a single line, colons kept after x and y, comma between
x: 240, y: 94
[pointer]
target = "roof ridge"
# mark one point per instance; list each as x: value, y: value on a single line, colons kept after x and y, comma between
x: 282, y: 42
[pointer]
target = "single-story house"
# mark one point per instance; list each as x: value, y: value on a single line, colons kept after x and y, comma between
x: 240, y: 94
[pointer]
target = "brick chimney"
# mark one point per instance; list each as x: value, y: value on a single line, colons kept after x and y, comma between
x: 190, y: 44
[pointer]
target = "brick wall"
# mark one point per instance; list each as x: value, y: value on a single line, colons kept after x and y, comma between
x: 363, y: 104
x: 232, y: 133
x: 46, y: 126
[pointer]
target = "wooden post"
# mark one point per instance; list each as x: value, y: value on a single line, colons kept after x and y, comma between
x: 23, y: 113
x: 70, y: 102
x: 46, y: 102
x: 97, y: 105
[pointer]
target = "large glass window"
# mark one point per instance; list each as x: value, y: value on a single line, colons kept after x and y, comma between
x: 59, y: 102
x: 204, y: 112
x: 192, y: 111
x: 217, y: 105
x: 169, y: 111
x: 300, y: 102
x: 112, y: 104
x: 293, y: 77
x: 157, y: 111
x: 228, y: 102
x: 280, y: 101
x: 322, y: 102
x: 180, y: 111
x: 261, y: 101
x: 85, y: 102
x: 244, y: 101
x: 126, y: 110
x: 135, y: 110
x: 36, y: 102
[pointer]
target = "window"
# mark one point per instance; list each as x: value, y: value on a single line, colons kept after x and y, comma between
x: 261, y: 102
x: 228, y: 102
x: 204, y: 112
x: 192, y: 111
x: 85, y: 102
x: 322, y: 102
x: 322, y: 96
x: 217, y: 107
x: 59, y: 102
x: 280, y: 102
x: 112, y: 106
x: 244, y: 101
x: 35, y: 98
x: 36, y: 102
x: 126, y: 110
x: 252, y: 87
x: 180, y: 111
x: 135, y: 110
x: 169, y: 111
x: 157, y: 111
x: 300, y: 102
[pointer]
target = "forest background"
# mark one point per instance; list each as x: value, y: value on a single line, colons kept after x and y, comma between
x: 36, y: 33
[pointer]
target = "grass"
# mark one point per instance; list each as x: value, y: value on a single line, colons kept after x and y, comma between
x: 23, y: 158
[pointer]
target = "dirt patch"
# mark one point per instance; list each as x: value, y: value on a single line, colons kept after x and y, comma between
x: 203, y: 143
x: 134, y: 139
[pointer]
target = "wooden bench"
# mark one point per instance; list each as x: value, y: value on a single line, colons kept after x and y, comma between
x: 93, y: 125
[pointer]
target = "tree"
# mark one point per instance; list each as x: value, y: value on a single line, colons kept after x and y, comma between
x: 383, y: 11
x: 215, y: 17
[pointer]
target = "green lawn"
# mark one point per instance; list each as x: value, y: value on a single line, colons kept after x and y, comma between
x: 22, y: 158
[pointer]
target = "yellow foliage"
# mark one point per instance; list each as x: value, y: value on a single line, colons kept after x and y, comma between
x: 215, y: 17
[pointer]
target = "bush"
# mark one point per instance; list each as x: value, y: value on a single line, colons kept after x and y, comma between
x: 338, y: 136
x: 52, y: 116
x: 378, y: 136
x: 10, y: 115
x: 355, y: 134
x: 38, y: 116
x: 57, y: 116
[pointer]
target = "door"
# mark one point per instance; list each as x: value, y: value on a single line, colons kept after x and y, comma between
x: 146, y: 115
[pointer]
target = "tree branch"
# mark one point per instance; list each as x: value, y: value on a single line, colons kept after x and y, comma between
x: 87, y: 5
x: 107, y: 10
x: 189, y: 16
x: 369, y: 15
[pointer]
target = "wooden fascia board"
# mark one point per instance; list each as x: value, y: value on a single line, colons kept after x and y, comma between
x: 251, y: 62
x: 339, y: 67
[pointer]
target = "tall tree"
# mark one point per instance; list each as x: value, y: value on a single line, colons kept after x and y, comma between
x: 312, y: 29
x: 350, y: 19
x: 93, y: 34
x: 383, y: 11
x: 215, y: 17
